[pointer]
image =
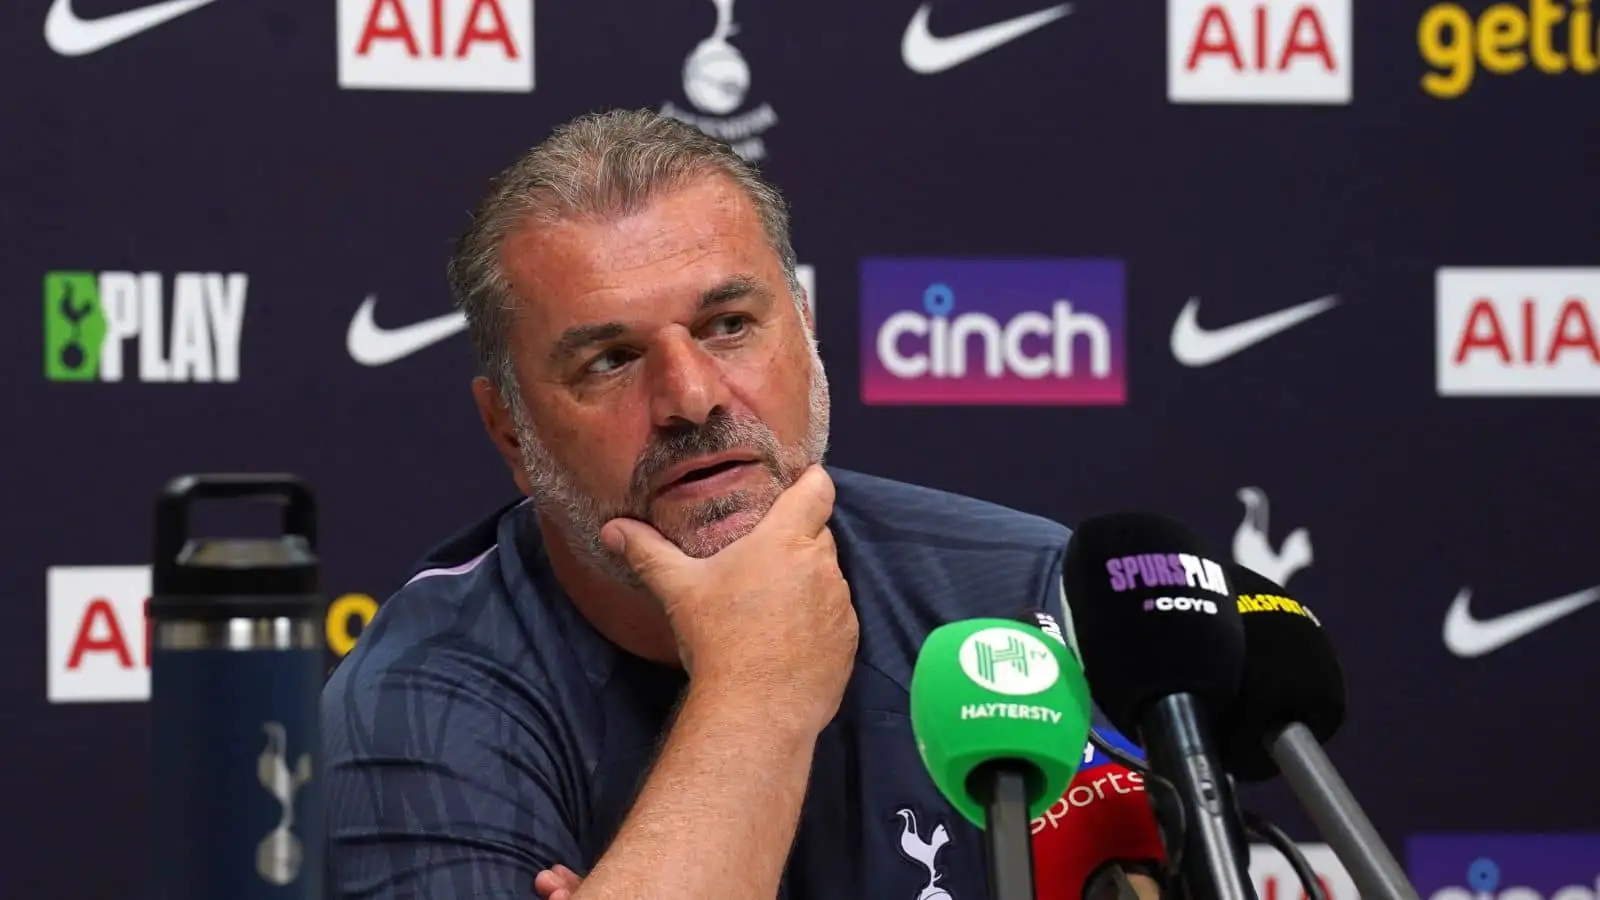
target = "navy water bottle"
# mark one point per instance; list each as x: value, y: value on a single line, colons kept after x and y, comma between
x: 236, y: 672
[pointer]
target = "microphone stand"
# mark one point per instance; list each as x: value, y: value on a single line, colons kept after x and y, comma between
x: 1327, y: 799
x: 1178, y: 742
x: 1007, y: 840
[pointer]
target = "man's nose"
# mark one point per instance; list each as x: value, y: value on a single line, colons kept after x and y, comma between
x: 686, y: 382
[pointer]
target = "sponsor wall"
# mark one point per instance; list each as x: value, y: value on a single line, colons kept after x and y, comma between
x: 1215, y: 259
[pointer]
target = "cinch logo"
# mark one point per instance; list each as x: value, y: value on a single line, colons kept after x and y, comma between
x: 1504, y: 40
x: 1518, y: 332
x: 1239, y: 51
x: 89, y: 317
x: 436, y: 45
x: 98, y: 641
x: 1505, y: 866
x: 970, y: 332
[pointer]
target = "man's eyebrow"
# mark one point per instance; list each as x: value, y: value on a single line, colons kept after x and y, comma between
x: 735, y: 288
x: 574, y: 339
x: 578, y: 337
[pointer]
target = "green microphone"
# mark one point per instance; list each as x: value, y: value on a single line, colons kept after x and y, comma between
x: 1001, y: 716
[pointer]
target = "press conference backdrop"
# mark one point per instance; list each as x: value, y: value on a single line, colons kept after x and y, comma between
x: 1207, y: 258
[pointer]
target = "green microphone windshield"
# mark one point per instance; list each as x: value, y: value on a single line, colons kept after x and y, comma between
x: 996, y: 691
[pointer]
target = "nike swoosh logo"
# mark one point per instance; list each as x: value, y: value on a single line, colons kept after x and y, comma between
x: 69, y: 35
x: 370, y: 345
x: 926, y: 54
x: 1467, y: 637
x: 1195, y: 346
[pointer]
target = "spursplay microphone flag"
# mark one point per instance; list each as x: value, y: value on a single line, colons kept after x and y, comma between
x: 986, y: 690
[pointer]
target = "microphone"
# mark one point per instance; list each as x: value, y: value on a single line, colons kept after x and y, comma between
x: 236, y: 672
x: 1001, y: 716
x: 1102, y: 826
x: 1291, y: 701
x: 1163, y: 647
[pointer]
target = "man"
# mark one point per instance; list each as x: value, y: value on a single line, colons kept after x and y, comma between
x: 680, y: 666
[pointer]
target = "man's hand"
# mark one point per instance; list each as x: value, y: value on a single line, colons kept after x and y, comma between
x: 1143, y: 885
x: 768, y: 618
x: 557, y: 883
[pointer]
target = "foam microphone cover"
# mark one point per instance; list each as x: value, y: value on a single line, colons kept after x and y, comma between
x: 1291, y: 674
x: 1153, y: 615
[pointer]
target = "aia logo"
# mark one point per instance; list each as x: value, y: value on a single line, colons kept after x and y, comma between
x: 436, y: 45
x: 98, y: 645
x: 1518, y: 332
x: 1249, y: 51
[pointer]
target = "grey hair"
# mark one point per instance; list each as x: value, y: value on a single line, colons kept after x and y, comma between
x: 599, y: 166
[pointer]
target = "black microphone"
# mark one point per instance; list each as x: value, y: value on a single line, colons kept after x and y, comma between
x: 1291, y: 701
x: 1163, y: 645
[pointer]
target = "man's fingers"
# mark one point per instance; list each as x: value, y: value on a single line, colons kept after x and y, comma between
x: 803, y: 509
x: 646, y: 552
x: 556, y: 883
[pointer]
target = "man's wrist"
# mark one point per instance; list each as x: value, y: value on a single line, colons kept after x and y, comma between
x: 745, y: 705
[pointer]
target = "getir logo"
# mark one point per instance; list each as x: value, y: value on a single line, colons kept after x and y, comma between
x: 1518, y: 332
x: 1547, y: 36
x: 1505, y: 866
x: 98, y: 641
x: 1014, y: 332
x: 436, y: 45
x: 1248, y: 51
x: 191, y: 336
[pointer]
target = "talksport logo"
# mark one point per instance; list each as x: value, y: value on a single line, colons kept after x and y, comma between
x: 91, y: 319
x: 1505, y: 866
x: 1045, y: 332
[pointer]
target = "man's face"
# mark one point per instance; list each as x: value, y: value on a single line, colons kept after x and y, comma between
x: 666, y: 374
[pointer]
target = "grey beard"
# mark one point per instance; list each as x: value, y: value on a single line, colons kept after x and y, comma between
x: 556, y: 495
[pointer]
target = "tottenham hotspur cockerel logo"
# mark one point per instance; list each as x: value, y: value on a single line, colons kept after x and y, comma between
x: 924, y: 853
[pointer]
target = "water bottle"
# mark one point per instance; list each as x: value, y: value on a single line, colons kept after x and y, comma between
x: 237, y: 665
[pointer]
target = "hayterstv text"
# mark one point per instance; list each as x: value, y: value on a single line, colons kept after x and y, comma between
x: 1009, y: 711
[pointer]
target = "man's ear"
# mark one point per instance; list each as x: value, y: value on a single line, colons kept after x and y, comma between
x: 500, y: 427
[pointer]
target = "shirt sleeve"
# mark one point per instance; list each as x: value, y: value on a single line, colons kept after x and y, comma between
x: 442, y: 781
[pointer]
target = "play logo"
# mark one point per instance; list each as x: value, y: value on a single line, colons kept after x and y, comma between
x: 1037, y: 332
x: 143, y: 326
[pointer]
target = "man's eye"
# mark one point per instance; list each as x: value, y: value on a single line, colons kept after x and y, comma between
x: 727, y: 325
x: 608, y: 361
